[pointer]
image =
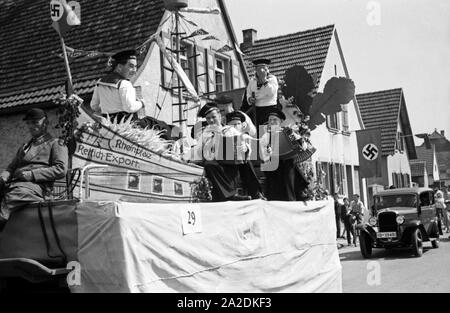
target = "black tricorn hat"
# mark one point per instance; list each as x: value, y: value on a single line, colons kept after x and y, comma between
x: 261, y: 61
x: 276, y: 112
x: 34, y: 114
x: 207, y: 108
x: 236, y: 115
x: 224, y: 99
x: 123, y: 56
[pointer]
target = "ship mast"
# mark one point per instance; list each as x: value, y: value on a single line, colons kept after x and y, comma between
x: 174, y: 6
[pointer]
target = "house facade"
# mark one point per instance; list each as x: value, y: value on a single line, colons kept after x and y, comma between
x: 33, y: 73
x: 442, y: 148
x: 419, y: 174
x: 336, y: 163
x: 387, y: 111
x: 428, y: 157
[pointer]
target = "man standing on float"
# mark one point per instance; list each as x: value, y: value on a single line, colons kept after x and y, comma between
x: 262, y: 91
x: 114, y: 94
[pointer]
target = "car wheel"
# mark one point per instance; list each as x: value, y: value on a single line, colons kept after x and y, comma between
x: 416, y: 240
x: 365, y: 245
x: 435, y: 243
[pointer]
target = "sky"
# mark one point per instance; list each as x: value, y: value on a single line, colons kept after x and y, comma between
x: 386, y: 44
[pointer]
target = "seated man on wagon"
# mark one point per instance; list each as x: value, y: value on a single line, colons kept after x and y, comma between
x: 34, y: 169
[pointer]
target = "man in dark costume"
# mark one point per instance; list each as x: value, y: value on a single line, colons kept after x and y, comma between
x: 285, y: 182
x: 246, y: 170
x: 221, y: 172
x: 36, y: 166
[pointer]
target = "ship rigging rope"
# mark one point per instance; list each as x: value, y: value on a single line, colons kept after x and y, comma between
x: 188, y: 31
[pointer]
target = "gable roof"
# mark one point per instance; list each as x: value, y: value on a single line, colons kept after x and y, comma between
x: 418, y: 168
x: 307, y: 48
x: 427, y: 155
x: 384, y: 110
x: 29, y: 44
x: 440, y: 141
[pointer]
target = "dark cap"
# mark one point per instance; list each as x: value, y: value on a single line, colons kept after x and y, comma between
x: 123, y: 56
x: 224, y: 99
x: 236, y: 115
x: 207, y: 108
x: 276, y: 112
x: 261, y: 62
x: 34, y: 114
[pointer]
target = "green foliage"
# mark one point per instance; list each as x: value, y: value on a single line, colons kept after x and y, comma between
x: 68, y: 111
x: 201, y: 190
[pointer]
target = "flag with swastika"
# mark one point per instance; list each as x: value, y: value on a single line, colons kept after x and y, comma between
x: 369, y: 151
x: 64, y: 15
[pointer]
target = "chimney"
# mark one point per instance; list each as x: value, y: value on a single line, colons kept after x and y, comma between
x: 249, y: 38
x: 443, y: 133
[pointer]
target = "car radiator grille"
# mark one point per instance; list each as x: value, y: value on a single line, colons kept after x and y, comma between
x: 386, y: 221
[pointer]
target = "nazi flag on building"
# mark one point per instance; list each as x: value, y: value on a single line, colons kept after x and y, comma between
x: 369, y: 151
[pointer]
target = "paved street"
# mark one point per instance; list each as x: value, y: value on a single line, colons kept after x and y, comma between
x: 399, y: 270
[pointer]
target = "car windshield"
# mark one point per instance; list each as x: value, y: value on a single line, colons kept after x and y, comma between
x: 389, y: 201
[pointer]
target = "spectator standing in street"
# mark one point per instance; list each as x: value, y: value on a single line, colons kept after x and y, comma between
x: 349, y: 221
x: 441, y: 209
x: 358, y: 209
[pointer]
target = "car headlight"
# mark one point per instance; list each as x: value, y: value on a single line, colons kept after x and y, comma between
x: 372, y: 221
x: 400, y: 219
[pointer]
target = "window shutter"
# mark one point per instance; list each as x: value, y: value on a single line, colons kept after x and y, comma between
x: 201, y: 70
x: 235, y: 79
x: 345, y: 126
x: 211, y: 71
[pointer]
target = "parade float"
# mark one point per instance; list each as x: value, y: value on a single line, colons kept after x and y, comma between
x: 106, y: 235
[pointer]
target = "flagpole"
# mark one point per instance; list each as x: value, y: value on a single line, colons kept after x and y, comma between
x: 66, y: 64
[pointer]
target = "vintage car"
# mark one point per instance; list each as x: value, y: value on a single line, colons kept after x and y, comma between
x: 403, y: 217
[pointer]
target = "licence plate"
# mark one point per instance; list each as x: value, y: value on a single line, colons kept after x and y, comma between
x: 387, y: 235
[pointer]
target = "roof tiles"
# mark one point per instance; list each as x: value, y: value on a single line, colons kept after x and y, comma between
x: 307, y: 48
x: 29, y: 44
x: 381, y: 109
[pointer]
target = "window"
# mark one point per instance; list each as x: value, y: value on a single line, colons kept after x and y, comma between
x: 400, y: 146
x: 187, y: 61
x: 425, y: 199
x: 323, y: 175
x: 220, y: 75
x: 169, y: 78
x: 133, y: 181
x: 339, y: 178
x: 157, y: 185
x: 333, y: 121
x: 178, y: 189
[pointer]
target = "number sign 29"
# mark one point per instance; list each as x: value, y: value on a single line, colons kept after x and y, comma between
x: 191, y: 219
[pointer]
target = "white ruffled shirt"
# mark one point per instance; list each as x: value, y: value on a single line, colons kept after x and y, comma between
x: 113, y: 98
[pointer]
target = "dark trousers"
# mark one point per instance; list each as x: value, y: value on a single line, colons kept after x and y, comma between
x: 338, y: 226
x: 285, y: 183
x: 249, y: 179
x: 349, y: 225
x: 222, y: 178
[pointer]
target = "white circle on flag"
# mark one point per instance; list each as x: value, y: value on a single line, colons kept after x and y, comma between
x: 56, y: 10
x: 370, y: 152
